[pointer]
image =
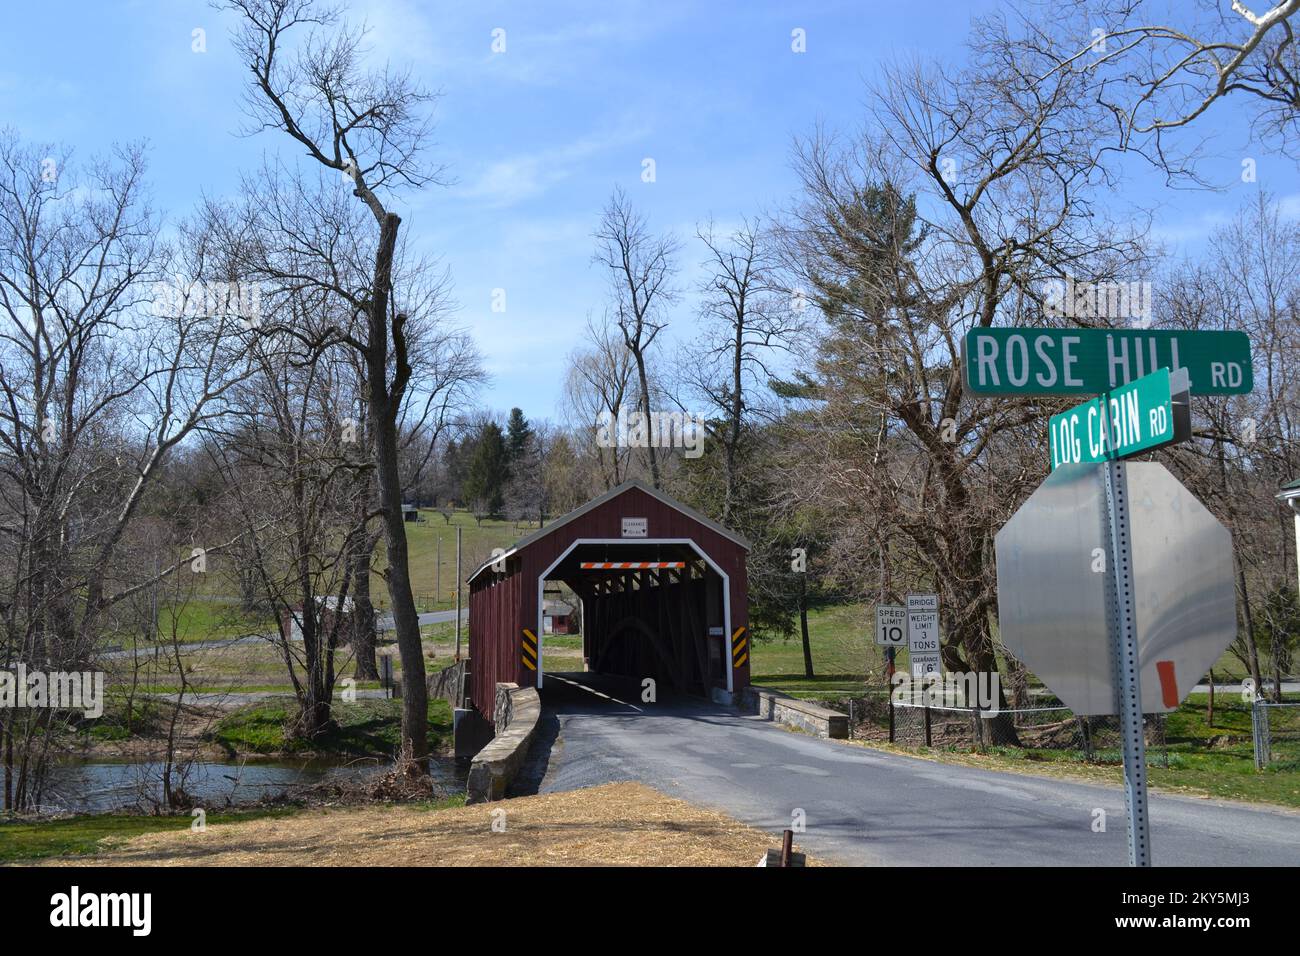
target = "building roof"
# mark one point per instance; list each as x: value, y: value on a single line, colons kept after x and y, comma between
x: 560, y: 608
x: 1292, y: 485
x: 599, y: 500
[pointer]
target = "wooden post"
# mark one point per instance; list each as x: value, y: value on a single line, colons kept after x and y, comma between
x: 889, y: 688
x: 1209, y: 715
x: 927, y: 725
x: 437, y: 575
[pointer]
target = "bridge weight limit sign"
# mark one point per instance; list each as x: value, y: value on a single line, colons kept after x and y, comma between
x: 923, y: 634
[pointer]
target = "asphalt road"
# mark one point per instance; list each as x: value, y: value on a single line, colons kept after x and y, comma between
x: 867, y: 807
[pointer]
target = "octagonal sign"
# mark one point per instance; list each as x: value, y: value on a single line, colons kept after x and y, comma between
x: 1055, y: 586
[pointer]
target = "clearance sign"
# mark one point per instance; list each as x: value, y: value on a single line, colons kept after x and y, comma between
x: 1136, y: 417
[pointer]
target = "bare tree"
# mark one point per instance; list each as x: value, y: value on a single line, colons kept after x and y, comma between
x: 1157, y: 72
x: 640, y: 267
x: 371, y: 127
x: 290, y: 477
x: 98, y: 387
x: 747, y: 320
x: 975, y: 188
x: 596, y: 389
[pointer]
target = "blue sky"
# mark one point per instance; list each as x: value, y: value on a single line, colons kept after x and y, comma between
x: 536, y: 137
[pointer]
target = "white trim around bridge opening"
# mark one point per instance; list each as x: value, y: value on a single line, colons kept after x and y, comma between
x: 726, y: 595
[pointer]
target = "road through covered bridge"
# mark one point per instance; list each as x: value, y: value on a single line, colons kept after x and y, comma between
x: 868, y: 807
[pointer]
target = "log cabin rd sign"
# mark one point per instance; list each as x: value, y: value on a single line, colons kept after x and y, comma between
x: 1143, y: 415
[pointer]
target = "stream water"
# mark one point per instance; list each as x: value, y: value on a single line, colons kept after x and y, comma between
x: 97, y: 786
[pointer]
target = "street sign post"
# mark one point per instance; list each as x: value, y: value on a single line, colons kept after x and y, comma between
x: 1115, y: 587
x: 1033, y: 361
x: 923, y: 634
x: 1147, y: 413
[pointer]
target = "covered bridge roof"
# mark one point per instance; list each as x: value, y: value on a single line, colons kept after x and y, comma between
x: 597, y: 502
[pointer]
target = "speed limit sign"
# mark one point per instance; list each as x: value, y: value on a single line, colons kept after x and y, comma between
x: 891, y: 625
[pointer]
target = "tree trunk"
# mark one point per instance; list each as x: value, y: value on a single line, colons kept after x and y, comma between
x: 1277, y: 667
x: 362, y: 625
x: 645, y: 408
x: 1252, y: 648
x: 803, y: 625
x: 363, y: 621
x: 383, y: 408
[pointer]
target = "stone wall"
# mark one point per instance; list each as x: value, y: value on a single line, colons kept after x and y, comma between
x: 518, y: 710
x: 784, y: 709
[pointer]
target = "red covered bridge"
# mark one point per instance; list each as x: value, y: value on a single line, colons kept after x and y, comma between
x: 662, y: 590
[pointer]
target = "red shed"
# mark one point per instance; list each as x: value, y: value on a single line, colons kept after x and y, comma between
x: 662, y: 588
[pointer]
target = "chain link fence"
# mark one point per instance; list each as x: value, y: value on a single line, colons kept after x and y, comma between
x: 1276, y: 731
x: 1051, y: 732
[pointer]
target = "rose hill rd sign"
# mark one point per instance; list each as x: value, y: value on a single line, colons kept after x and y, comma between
x: 1140, y: 416
x: 1012, y: 361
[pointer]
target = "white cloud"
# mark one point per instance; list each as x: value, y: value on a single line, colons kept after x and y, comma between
x: 525, y: 176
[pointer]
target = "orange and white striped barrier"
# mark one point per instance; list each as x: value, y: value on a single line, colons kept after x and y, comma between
x: 629, y: 565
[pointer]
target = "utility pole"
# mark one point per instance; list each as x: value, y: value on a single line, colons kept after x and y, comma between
x: 458, y: 530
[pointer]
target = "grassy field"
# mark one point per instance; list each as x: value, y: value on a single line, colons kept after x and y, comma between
x: 423, y: 539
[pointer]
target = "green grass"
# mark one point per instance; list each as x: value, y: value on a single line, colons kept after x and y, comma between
x: 204, y: 620
x: 844, y: 657
x: 365, y: 728
x: 477, y: 542
x: 80, y: 835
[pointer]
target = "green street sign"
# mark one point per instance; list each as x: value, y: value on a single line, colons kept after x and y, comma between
x: 1020, y: 361
x: 1133, y: 418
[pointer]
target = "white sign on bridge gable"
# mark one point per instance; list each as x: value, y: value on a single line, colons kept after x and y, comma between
x: 635, y: 528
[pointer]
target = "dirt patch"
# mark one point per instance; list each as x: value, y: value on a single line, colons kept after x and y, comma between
x: 617, y: 824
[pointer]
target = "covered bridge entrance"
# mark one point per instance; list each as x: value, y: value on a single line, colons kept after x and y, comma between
x: 662, y: 594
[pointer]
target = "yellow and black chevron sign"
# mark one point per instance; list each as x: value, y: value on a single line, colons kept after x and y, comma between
x: 739, y: 647
x: 528, y: 650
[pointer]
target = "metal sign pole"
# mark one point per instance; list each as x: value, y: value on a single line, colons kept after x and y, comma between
x: 1128, y: 682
